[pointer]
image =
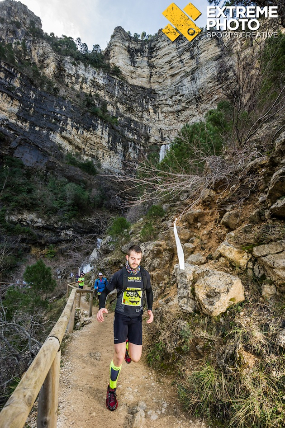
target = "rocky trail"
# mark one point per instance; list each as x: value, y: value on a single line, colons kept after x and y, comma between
x: 144, y: 398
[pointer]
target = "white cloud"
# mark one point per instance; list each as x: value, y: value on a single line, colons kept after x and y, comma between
x: 94, y: 20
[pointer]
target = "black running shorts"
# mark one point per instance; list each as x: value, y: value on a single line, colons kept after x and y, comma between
x: 127, y: 327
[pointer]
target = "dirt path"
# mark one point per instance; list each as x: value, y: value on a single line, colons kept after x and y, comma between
x: 144, y: 400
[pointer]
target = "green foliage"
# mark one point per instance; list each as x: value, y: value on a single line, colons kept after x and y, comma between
x: 249, y: 400
x: 235, y: 363
x: 48, y: 195
x: 148, y: 232
x: 39, y: 277
x: 155, y: 355
x: 76, y: 49
x: 119, y: 225
x: 25, y: 300
x: 155, y: 211
x: 86, y: 166
x: 197, y: 141
x: 50, y: 252
x: 101, y: 112
x: 273, y: 73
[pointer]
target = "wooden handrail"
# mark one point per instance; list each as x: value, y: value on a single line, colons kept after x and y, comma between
x: 42, y: 376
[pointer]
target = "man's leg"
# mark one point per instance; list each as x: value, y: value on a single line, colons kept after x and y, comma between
x: 120, y: 335
x: 115, y: 368
x: 135, y: 339
x: 119, y: 354
x: 135, y: 352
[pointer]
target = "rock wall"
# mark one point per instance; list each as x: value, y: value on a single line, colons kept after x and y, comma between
x: 164, y: 86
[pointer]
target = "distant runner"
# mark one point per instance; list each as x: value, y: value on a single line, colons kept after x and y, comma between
x: 131, y: 282
x: 81, y: 281
x: 100, y: 284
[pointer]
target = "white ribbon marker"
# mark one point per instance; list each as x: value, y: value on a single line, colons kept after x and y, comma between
x: 180, y: 252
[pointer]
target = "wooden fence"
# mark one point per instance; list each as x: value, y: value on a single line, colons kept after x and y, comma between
x: 42, y: 377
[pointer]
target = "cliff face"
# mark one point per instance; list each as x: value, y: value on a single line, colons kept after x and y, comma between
x: 160, y: 91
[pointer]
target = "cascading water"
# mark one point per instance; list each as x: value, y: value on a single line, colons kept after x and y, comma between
x: 163, y: 150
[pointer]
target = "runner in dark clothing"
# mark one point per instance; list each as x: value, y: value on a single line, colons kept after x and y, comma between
x: 130, y: 282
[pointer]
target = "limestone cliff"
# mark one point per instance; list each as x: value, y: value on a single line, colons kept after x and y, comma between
x: 164, y: 86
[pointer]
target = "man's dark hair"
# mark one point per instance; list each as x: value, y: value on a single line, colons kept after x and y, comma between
x: 135, y: 248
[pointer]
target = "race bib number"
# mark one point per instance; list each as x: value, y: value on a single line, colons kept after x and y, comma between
x: 132, y: 297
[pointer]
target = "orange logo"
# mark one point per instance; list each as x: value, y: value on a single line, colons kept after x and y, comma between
x: 181, y: 22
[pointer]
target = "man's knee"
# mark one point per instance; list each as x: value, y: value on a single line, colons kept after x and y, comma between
x: 119, y: 354
x: 135, y: 358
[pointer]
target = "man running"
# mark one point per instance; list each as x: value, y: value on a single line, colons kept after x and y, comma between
x: 130, y: 282
x: 100, y: 284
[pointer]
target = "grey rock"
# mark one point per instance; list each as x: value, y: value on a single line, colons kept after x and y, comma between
x: 196, y: 259
x: 231, y: 219
x: 268, y: 291
x: 281, y: 338
x: 188, y: 249
x: 278, y: 209
x: 277, y: 185
x: 184, y: 293
x: 215, y: 291
x: 271, y: 248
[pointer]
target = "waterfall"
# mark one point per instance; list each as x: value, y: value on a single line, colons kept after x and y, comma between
x: 163, y: 150
x: 180, y: 252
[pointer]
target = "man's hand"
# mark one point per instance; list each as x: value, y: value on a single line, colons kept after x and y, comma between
x: 150, y: 317
x: 100, y: 316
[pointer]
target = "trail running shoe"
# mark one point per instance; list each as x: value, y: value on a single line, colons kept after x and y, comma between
x: 127, y: 356
x: 111, y: 399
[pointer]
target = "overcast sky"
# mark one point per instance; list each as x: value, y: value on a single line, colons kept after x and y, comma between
x: 94, y: 20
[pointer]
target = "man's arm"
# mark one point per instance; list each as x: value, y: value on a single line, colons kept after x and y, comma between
x: 149, y: 300
x: 103, y: 296
x: 102, y: 309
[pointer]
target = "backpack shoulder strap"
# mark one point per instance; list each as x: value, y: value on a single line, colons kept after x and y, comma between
x: 144, y: 278
x: 125, y: 278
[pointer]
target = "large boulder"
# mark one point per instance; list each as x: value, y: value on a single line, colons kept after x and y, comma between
x: 184, y: 279
x: 188, y: 249
x: 193, y: 216
x: 271, y: 260
x: 196, y: 259
x: 212, y: 291
x: 216, y: 291
x: 231, y: 219
x: 278, y: 209
x: 235, y: 255
x: 277, y: 185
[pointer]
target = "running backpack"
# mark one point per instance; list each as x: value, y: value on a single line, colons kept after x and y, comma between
x: 125, y: 278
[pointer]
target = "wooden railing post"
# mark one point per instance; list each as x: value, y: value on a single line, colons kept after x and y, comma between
x: 48, y: 397
x: 71, y: 319
x: 15, y: 412
x: 43, y: 374
x: 79, y: 300
x: 91, y: 303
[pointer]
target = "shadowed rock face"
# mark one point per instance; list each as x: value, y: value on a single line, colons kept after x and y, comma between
x: 164, y: 86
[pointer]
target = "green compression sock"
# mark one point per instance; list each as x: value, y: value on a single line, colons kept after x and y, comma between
x: 114, y: 374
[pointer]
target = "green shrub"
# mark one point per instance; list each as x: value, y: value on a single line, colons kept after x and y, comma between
x: 25, y: 300
x: 197, y: 141
x: 241, y: 400
x: 155, y: 211
x: 155, y: 355
x: 273, y: 59
x: 39, y: 277
x: 86, y: 166
x: 119, y: 225
x: 148, y: 232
